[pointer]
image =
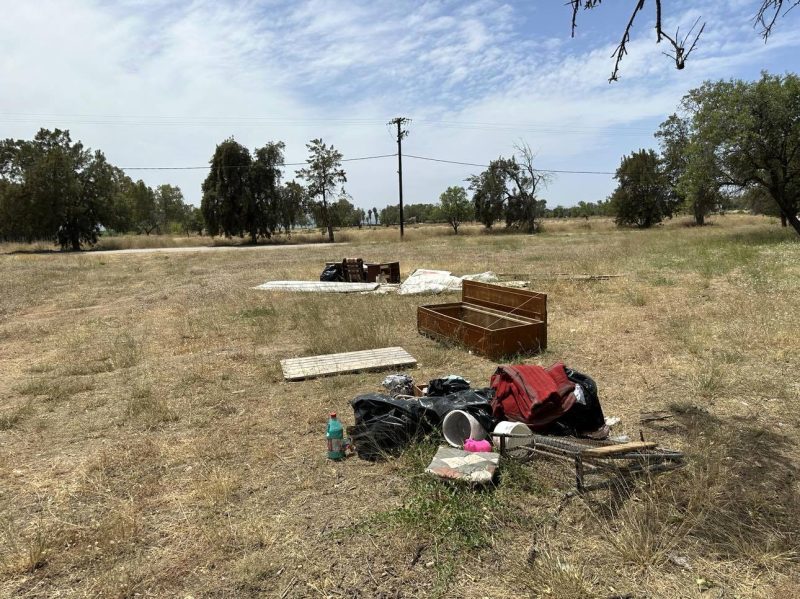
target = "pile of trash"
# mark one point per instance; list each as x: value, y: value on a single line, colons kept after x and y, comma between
x: 519, y: 401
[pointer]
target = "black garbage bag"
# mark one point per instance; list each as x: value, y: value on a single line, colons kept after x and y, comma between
x: 476, y: 402
x: 384, y: 425
x: 447, y: 385
x: 586, y: 414
x: 332, y: 272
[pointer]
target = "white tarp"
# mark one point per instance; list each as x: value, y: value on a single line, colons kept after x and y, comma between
x: 424, y: 280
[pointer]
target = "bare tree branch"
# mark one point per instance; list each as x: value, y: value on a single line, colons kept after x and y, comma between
x: 768, y: 14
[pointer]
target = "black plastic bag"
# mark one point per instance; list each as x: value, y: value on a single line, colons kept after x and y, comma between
x: 476, y: 402
x: 384, y: 425
x: 445, y: 386
x: 586, y: 414
x: 332, y: 272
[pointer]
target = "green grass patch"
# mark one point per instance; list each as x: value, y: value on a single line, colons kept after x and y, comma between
x: 449, y: 518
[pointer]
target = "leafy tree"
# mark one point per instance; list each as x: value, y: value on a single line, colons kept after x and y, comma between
x: 375, y: 214
x: 524, y: 208
x: 323, y: 173
x: 390, y: 215
x: 120, y: 211
x: 757, y: 201
x: 642, y: 196
x: 456, y: 207
x: 293, y: 204
x: 342, y: 212
x: 489, y: 193
x: 423, y: 213
x: 263, y: 214
x: 689, y: 167
x: 510, y: 186
x: 170, y: 202
x: 55, y: 189
x: 193, y: 220
x: 227, y: 204
x: 146, y: 213
x: 752, y: 132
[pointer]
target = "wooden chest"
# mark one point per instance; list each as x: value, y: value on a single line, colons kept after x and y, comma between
x: 491, y: 320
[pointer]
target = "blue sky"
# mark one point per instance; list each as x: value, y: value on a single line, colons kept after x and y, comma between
x: 160, y: 82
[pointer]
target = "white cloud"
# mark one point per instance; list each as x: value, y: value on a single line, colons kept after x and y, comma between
x: 160, y: 82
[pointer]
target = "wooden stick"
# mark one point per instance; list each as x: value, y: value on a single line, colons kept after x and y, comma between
x: 622, y: 448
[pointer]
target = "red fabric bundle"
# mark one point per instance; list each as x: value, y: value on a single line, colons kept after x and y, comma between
x: 531, y: 394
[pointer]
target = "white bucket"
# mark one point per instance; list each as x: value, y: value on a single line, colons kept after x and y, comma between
x: 512, y: 428
x: 458, y: 426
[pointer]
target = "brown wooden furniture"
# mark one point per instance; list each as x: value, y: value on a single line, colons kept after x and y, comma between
x: 353, y: 270
x: 387, y: 272
x: 491, y: 320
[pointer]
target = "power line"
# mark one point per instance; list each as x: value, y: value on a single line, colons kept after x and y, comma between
x: 542, y: 170
x: 377, y: 156
x: 191, y: 168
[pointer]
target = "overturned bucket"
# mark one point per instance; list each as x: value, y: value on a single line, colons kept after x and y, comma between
x: 458, y: 426
x: 518, y: 434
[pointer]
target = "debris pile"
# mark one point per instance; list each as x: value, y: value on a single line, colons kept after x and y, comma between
x: 526, y: 410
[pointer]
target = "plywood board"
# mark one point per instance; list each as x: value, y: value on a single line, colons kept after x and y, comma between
x: 615, y: 449
x: 295, y: 369
x: 317, y: 286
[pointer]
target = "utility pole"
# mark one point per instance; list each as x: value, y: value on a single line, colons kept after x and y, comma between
x: 401, y: 133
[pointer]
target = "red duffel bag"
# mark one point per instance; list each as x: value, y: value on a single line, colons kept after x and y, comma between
x: 531, y: 394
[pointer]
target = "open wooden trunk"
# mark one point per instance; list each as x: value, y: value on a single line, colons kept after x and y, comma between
x: 491, y: 320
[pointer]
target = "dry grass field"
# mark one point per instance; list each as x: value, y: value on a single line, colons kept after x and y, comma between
x: 150, y: 448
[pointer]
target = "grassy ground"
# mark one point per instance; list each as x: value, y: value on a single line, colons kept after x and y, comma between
x: 149, y: 447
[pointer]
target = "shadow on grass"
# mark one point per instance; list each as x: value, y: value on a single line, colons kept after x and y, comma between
x: 736, y: 499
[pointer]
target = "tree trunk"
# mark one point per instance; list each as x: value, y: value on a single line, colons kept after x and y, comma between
x: 327, y: 217
x: 787, y: 209
x: 76, y: 244
x: 783, y: 220
x: 795, y: 222
x: 699, y: 219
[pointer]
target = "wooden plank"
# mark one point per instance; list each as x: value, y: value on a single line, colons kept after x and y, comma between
x: 560, y: 275
x: 372, y: 359
x: 622, y: 448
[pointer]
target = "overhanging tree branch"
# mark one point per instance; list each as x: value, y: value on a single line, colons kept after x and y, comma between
x: 768, y: 14
x: 681, y: 47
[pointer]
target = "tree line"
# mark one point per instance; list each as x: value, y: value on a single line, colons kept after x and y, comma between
x: 243, y: 194
x: 731, y: 144
x: 54, y: 188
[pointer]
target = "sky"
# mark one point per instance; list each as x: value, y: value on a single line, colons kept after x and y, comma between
x: 158, y: 83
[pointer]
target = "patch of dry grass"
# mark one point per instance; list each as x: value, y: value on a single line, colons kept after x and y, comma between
x: 148, y: 444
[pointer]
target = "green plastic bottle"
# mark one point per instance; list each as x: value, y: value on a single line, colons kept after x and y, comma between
x: 335, y: 436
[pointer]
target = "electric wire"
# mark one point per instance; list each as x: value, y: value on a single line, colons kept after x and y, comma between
x: 190, y: 168
x: 541, y: 170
